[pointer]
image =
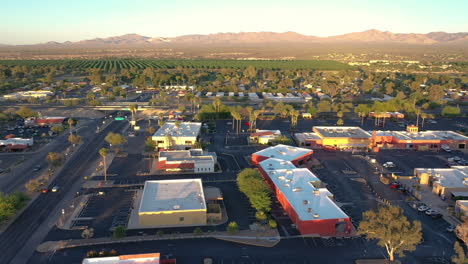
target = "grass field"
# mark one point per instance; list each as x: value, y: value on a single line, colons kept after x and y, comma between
x: 118, y: 64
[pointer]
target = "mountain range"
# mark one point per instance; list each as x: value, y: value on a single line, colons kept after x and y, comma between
x: 369, y: 36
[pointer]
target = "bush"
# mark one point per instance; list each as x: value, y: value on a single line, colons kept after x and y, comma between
x: 92, y: 254
x: 261, y: 216
x: 198, y: 231
x: 232, y: 228
x: 113, y: 252
x: 120, y: 232
x: 10, y: 204
x: 160, y: 233
x: 272, y: 223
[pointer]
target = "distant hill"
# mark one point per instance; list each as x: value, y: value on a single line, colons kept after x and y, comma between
x: 369, y: 36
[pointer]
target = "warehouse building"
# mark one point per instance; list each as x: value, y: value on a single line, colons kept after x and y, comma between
x: 177, y: 135
x: 172, y: 203
x: 297, y: 156
x: 309, y: 206
x: 193, y: 160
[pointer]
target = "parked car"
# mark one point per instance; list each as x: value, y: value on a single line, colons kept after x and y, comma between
x: 423, y: 208
x: 55, y: 189
x: 394, y: 185
x: 450, y: 228
x: 389, y: 164
x: 45, y: 190
x: 431, y: 211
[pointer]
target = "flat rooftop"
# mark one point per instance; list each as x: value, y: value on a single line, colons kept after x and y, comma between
x: 187, y: 155
x: 172, y: 195
x: 185, y: 129
x: 453, y: 177
x: 341, y: 132
x: 283, y: 152
x: 423, y: 135
x: 151, y: 258
x: 298, y: 185
x: 307, y: 136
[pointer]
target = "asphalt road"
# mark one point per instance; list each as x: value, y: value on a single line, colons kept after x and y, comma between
x: 14, y: 180
x: 18, y: 233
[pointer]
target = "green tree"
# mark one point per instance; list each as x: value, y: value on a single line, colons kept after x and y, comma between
x: 150, y: 130
x: 451, y: 111
x: 74, y: 139
x: 251, y: 183
x: 57, y: 128
x: 150, y: 144
x: 362, y: 110
x: 120, y: 232
x: 390, y: 227
x: 460, y: 256
x: 104, y: 152
x: 54, y: 158
x: 232, y: 228
x: 272, y: 223
x: 462, y: 231
x: 25, y: 112
x: 261, y: 216
x: 324, y: 106
x: 340, y: 122
x: 115, y: 139
x: 71, y: 122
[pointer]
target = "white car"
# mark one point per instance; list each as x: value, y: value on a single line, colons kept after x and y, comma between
x: 423, y: 208
x: 389, y: 164
x: 430, y: 212
x: 55, y: 189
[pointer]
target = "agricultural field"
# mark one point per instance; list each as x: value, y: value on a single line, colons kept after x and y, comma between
x: 118, y: 64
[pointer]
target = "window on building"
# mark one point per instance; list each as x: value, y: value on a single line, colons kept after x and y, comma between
x: 160, y: 142
x: 181, y: 219
x: 461, y: 146
x: 188, y: 142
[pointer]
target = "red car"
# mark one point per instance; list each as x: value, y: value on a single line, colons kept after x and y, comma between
x: 45, y: 190
x: 394, y: 185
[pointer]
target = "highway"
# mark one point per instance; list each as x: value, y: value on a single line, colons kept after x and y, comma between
x: 18, y: 233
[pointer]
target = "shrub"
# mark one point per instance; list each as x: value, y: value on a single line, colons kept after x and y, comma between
x: 232, y: 228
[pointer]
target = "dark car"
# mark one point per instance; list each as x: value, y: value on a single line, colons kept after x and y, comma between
x: 37, y: 168
x: 436, y: 216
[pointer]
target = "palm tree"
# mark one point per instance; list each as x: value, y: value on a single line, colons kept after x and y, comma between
x: 233, y: 113
x: 294, y: 114
x: 133, y: 109
x: 103, y: 152
x: 217, y: 104
x: 71, y: 122
x: 160, y: 119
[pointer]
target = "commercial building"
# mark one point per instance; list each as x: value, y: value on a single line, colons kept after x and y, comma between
x: 336, y: 138
x: 177, y: 135
x: 264, y: 137
x: 412, y: 138
x: 150, y: 258
x: 461, y: 207
x: 446, y: 182
x: 297, y: 156
x: 309, y: 206
x: 172, y: 203
x: 396, y: 115
x: 355, y: 138
x: 193, y: 160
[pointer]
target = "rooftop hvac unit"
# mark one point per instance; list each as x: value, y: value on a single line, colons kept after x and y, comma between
x: 176, y: 207
x: 316, y: 215
x: 297, y: 189
x: 316, y: 192
x: 305, y: 201
x: 286, y: 185
x: 281, y: 177
x: 309, y: 210
x: 289, y: 172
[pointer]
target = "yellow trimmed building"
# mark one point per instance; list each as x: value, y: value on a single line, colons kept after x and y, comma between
x: 168, y: 203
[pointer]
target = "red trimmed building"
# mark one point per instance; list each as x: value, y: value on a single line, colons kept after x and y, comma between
x: 297, y: 156
x: 309, y: 206
x: 193, y: 160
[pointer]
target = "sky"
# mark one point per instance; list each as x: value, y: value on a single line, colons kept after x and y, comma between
x: 39, y: 21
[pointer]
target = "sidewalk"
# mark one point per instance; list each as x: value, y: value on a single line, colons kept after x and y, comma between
x: 267, y: 239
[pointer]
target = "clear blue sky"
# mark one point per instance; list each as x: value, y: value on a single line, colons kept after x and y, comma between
x: 35, y: 21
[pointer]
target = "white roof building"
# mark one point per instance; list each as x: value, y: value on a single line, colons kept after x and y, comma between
x: 283, y: 152
x: 172, y: 136
x: 152, y: 258
x: 172, y: 195
x: 302, y: 190
x: 454, y: 177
